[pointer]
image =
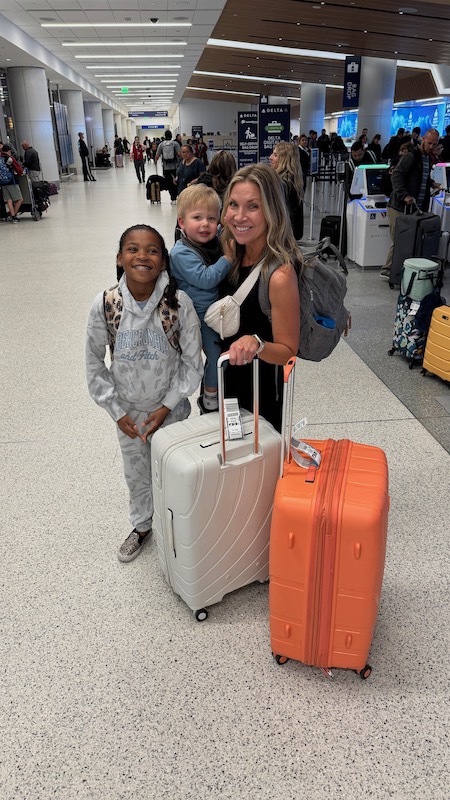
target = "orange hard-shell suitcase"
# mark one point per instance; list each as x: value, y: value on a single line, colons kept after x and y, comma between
x: 437, y: 350
x: 327, y: 551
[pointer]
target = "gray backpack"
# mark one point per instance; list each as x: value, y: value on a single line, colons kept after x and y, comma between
x: 323, y: 316
x: 168, y: 151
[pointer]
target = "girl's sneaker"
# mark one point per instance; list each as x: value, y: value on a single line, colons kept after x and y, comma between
x: 132, y: 545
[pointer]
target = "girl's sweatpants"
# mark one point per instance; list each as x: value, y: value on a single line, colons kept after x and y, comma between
x: 137, y: 465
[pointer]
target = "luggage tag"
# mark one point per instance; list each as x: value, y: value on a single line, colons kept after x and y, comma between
x: 233, y: 422
x: 304, y: 454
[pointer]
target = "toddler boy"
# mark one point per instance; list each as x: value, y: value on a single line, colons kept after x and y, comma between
x: 198, y: 265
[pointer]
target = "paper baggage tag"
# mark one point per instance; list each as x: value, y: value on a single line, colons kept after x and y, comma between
x: 304, y: 455
x: 233, y: 422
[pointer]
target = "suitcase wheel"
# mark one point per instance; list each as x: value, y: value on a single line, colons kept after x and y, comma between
x: 280, y: 659
x: 201, y: 615
x: 365, y: 673
x: 391, y: 351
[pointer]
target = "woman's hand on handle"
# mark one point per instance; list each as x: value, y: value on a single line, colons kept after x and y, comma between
x: 243, y: 350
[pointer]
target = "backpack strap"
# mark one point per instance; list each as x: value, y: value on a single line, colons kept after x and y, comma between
x: 170, y: 322
x: 113, y: 307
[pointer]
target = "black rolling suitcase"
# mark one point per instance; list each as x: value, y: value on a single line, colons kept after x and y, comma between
x: 331, y: 226
x: 155, y: 185
x: 417, y: 235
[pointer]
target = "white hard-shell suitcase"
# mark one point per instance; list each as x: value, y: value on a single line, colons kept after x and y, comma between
x: 213, y: 502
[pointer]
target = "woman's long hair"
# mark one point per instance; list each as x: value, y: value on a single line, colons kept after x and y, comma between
x: 281, y: 247
x: 222, y: 168
x: 288, y: 167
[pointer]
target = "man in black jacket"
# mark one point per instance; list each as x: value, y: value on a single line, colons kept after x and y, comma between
x: 411, y: 184
x: 31, y: 161
x: 84, y: 155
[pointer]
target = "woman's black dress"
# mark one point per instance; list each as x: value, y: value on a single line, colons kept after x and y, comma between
x: 238, y: 380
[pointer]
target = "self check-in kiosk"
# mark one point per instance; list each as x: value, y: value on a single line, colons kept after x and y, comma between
x: 368, y: 238
x: 441, y: 201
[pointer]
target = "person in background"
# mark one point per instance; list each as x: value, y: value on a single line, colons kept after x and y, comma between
x: 151, y: 155
x: 304, y: 157
x: 357, y: 156
x: 126, y: 145
x: 393, y: 145
x: 411, y: 186
x: 137, y: 155
x: 375, y: 147
x: 415, y: 136
x: 323, y: 143
x: 188, y: 169
x: 150, y: 377
x: 31, y: 161
x: 220, y: 170
x: 179, y: 139
x: 170, y: 152
x: 12, y: 195
x: 445, y: 141
x: 257, y: 232
x: 285, y: 161
x: 201, y: 151
x: 84, y: 155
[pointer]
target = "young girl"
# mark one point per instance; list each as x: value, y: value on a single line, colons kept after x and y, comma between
x: 156, y: 363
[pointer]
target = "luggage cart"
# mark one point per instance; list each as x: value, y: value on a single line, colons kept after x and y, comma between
x: 29, y: 203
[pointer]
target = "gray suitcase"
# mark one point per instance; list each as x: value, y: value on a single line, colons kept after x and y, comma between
x: 213, y: 502
x: 416, y: 236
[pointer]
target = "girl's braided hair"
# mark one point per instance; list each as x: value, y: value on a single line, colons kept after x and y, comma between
x: 170, y: 292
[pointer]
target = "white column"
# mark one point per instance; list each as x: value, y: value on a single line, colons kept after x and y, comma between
x: 376, y: 96
x: 32, y: 116
x: 73, y: 99
x: 118, y: 124
x: 94, y: 127
x: 312, y: 107
x: 108, y: 127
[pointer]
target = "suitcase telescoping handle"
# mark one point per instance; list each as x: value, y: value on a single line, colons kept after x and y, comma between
x: 287, y: 412
x: 303, y: 454
x: 223, y: 359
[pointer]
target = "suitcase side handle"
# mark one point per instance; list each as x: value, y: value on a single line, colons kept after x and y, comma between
x: 223, y: 359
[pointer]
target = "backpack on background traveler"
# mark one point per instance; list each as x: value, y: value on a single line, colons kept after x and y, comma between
x: 323, y: 315
x: 6, y: 176
x: 168, y: 151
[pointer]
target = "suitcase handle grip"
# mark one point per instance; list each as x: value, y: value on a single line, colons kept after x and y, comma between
x: 223, y: 359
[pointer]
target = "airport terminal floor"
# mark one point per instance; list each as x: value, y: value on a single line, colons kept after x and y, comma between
x: 110, y: 689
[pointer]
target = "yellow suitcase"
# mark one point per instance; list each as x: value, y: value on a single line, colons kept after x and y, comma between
x: 437, y: 351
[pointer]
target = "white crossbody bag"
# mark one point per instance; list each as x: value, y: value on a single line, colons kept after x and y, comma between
x: 224, y: 316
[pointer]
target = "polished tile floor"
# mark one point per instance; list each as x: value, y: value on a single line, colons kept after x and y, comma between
x: 110, y: 690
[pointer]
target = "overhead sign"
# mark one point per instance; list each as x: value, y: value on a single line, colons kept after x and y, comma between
x: 247, y: 138
x: 124, y: 90
x: 148, y: 113
x: 274, y: 126
x: 352, y: 80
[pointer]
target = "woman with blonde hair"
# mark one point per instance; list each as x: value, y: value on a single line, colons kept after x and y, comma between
x: 285, y: 161
x: 257, y: 234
